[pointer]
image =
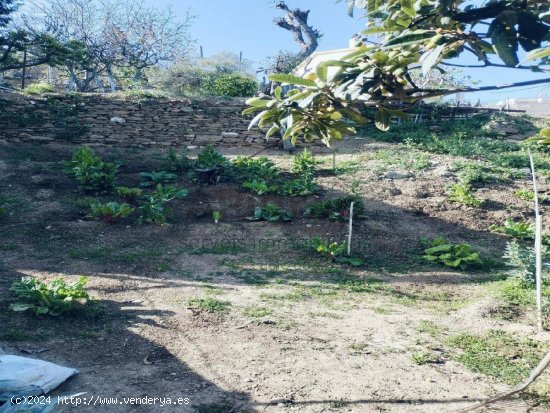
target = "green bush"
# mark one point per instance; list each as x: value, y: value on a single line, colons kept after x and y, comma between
x: 209, y: 158
x: 110, y: 211
x: 91, y: 173
x: 516, y: 229
x: 231, y: 85
x: 39, y: 88
x: 54, y: 298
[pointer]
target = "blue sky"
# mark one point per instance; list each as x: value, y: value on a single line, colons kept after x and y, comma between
x: 247, y: 26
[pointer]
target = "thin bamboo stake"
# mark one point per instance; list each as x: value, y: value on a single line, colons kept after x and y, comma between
x: 543, y: 365
x: 350, y: 227
x: 538, y: 246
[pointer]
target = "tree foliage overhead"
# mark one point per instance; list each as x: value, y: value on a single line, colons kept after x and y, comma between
x: 415, y: 36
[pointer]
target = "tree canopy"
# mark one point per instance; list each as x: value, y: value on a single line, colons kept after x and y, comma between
x: 410, y: 37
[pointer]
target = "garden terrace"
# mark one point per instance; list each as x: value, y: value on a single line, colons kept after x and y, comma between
x: 242, y: 314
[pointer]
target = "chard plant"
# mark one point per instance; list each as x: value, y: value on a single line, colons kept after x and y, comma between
x: 91, y: 173
x: 110, y: 211
x: 54, y: 298
x: 271, y: 213
x: 154, y: 208
x: 461, y: 256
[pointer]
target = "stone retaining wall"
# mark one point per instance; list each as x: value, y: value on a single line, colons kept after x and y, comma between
x: 111, y: 120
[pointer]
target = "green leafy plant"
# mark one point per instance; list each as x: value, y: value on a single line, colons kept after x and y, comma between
x: 155, y: 178
x: 271, y: 213
x: 153, y: 209
x: 216, y: 215
x: 210, y: 305
x: 299, y: 187
x: 110, y: 211
x: 176, y: 162
x: 462, y: 194
x: 249, y: 169
x: 91, y: 173
x: 521, y: 261
x: 231, y: 85
x: 516, y: 229
x: 209, y: 158
x: 259, y: 187
x: 39, y: 88
x: 336, y: 208
x: 304, y: 163
x: 130, y: 195
x: 334, y: 251
x: 304, y: 166
x: 528, y: 195
x: 451, y: 255
x: 54, y: 298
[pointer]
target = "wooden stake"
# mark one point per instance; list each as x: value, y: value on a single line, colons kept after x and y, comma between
x: 350, y: 227
x: 538, y: 246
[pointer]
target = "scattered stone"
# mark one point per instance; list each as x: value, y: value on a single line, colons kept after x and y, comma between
x: 230, y: 135
x: 395, y: 191
x: 117, y: 119
x: 45, y: 194
x: 397, y: 175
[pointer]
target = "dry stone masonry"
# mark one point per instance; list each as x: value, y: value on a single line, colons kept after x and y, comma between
x: 114, y: 120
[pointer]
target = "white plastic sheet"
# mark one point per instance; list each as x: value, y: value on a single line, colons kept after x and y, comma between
x: 23, y: 376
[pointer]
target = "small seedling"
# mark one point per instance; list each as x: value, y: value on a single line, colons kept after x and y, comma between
x: 216, y: 215
x: 462, y: 193
x: 130, y: 195
x: 211, y: 305
x: 334, y: 251
x: 110, y: 212
x: 54, y: 298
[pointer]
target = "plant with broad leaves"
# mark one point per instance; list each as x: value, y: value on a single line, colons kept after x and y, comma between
x: 543, y: 137
x: 259, y: 187
x: 245, y: 168
x: 335, y: 251
x: 153, y: 209
x: 271, y: 213
x: 209, y: 158
x: 110, y: 211
x: 155, y: 178
x: 515, y: 229
x: 91, y: 173
x: 54, y: 298
x: 451, y: 255
x: 376, y: 82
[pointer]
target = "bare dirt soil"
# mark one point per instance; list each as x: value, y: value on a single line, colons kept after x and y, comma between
x: 292, y: 335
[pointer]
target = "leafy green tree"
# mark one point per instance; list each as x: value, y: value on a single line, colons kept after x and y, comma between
x: 416, y: 36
